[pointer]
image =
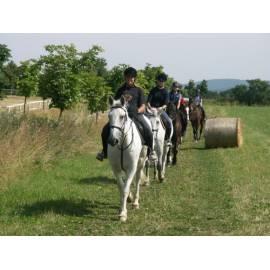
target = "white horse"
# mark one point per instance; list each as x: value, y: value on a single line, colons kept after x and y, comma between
x: 160, y: 144
x: 126, y: 153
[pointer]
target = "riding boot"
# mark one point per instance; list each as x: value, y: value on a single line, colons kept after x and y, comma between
x: 104, y: 136
x: 148, y: 137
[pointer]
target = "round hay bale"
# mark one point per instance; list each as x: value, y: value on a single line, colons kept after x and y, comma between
x: 223, y: 132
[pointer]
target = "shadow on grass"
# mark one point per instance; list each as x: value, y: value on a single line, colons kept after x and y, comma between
x: 193, y: 148
x: 98, y: 180
x: 92, y: 209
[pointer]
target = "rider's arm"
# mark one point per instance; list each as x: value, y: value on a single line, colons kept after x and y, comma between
x: 141, y: 102
x: 179, y: 102
x: 166, y: 99
x: 141, y: 109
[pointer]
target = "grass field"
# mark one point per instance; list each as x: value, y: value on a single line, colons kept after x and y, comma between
x: 210, y: 192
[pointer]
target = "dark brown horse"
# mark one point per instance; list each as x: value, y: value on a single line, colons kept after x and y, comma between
x: 197, y: 120
x: 175, y: 115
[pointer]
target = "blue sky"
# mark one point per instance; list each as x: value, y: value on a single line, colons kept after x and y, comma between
x: 184, y: 56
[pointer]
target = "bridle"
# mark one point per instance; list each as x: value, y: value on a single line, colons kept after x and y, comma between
x: 124, y: 134
x: 155, y: 131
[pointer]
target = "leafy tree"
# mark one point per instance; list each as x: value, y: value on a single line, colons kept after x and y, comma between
x: 258, y: 92
x: 203, y: 87
x: 95, y: 92
x: 150, y: 74
x: 4, y: 57
x: 141, y: 80
x: 239, y: 93
x: 90, y: 61
x: 59, y: 76
x: 10, y: 74
x: 28, y: 79
x: 4, y: 54
x: 191, y: 88
x: 115, y: 76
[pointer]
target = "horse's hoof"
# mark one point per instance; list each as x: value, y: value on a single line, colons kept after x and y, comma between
x: 146, y: 184
x: 162, y: 179
x: 135, y: 206
x: 130, y: 198
x: 123, y: 219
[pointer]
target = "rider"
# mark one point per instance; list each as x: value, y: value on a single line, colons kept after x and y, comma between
x: 175, y: 96
x: 136, y: 106
x: 159, y: 98
x: 198, y: 101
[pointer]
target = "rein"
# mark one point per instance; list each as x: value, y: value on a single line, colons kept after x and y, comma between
x: 124, y: 135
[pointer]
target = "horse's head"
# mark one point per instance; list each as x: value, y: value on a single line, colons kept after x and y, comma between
x: 118, y: 117
x: 154, y: 116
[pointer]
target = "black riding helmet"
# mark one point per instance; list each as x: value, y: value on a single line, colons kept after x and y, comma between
x: 130, y: 72
x: 162, y: 77
x: 176, y: 85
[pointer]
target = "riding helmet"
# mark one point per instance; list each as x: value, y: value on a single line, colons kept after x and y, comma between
x: 162, y: 77
x: 130, y: 72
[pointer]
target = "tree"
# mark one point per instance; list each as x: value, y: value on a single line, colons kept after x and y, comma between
x: 27, y: 79
x: 150, y: 74
x: 4, y: 57
x: 191, y: 88
x: 59, y: 76
x: 115, y: 76
x: 239, y: 93
x: 258, y: 92
x: 95, y: 92
x: 90, y: 61
x: 203, y: 87
x: 4, y: 54
x: 10, y: 73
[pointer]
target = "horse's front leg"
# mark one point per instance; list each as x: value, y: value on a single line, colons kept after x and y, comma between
x: 126, y: 190
x: 163, y: 162
x: 175, y: 151
x: 139, y: 176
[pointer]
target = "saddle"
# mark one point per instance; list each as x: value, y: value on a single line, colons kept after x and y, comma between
x: 141, y: 130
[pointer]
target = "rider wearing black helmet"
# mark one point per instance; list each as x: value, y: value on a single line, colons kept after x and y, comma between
x: 159, y: 98
x: 135, y: 107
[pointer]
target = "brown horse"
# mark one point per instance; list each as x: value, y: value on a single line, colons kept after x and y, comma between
x: 175, y: 115
x: 197, y: 120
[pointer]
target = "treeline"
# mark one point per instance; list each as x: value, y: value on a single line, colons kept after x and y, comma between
x: 68, y: 76
x: 257, y: 92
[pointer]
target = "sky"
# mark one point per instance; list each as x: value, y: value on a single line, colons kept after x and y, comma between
x: 183, y: 56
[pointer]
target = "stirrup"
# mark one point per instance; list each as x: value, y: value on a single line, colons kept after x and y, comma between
x: 100, y: 156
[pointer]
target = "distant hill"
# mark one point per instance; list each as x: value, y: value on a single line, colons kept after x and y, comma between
x: 220, y: 85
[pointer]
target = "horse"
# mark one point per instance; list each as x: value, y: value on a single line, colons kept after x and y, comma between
x: 160, y: 144
x: 126, y: 153
x: 197, y: 120
x: 175, y: 115
x: 184, y: 114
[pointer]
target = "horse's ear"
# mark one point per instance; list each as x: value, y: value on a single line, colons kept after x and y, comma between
x: 123, y: 100
x: 160, y: 110
x: 111, y: 100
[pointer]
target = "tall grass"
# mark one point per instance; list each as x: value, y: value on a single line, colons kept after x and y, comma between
x: 39, y: 139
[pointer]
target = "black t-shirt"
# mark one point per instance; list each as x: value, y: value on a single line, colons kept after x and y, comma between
x: 158, y: 97
x: 134, y: 95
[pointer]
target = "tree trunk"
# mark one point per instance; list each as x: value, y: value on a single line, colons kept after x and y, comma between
x: 60, y: 114
x: 24, y: 106
x: 97, y: 115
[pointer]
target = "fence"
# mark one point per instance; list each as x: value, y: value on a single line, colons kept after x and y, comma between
x: 30, y: 106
